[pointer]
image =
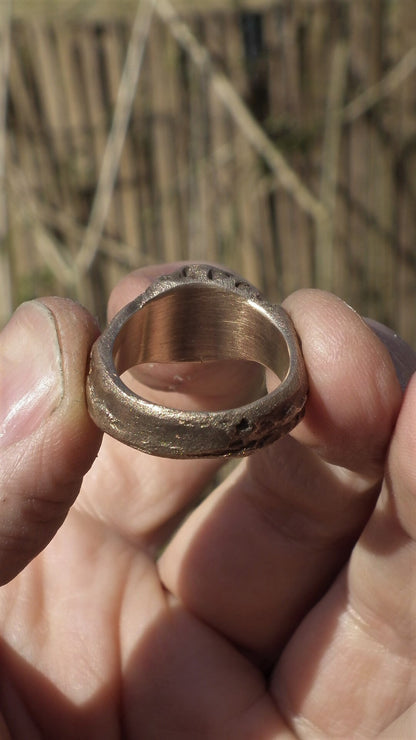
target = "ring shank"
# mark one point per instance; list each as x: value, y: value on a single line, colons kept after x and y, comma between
x: 200, y: 313
x: 200, y: 324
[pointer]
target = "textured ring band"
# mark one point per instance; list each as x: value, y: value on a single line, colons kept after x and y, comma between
x: 200, y: 313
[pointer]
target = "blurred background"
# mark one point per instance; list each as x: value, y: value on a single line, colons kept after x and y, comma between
x: 275, y: 136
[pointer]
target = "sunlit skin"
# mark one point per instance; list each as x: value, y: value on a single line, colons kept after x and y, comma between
x: 283, y: 606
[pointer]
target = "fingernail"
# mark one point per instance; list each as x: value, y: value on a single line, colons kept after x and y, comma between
x: 31, y: 381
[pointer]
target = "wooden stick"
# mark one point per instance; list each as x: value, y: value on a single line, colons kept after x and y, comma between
x: 382, y: 89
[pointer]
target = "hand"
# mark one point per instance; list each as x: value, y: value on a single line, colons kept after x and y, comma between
x: 283, y: 606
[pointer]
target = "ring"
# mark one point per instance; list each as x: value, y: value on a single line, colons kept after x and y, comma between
x: 197, y: 314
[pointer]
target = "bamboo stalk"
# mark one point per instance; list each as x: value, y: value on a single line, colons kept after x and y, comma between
x: 246, y: 168
x: 5, y: 267
x: 32, y: 156
x: 369, y: 242
x: 324, y: 253
x: 124, y: 212
x: 271, y: 281
x: 116, y: 138
x: 33, y: 118
x: 292, y: 227
x: 163, y: 142
x: 243, y: 118
x: 109, y: 9
x: 404, y: 206
x: 380, y: 255
x: 50, y: 248
x: 200, y: 226
x: 219, y: 33
x: 53, y: 103
x: 74, y: 112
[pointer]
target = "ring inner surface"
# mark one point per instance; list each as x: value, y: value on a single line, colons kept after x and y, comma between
x: 198, y: 323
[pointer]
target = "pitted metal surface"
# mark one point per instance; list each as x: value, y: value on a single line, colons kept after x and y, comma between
x: 198, y: 314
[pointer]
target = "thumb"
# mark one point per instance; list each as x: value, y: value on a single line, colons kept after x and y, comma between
x: 47, y: 440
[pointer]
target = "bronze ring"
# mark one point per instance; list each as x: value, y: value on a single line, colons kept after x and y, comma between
x: 200, y: 313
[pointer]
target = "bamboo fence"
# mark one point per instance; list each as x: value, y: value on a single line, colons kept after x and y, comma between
x: 276, y: 137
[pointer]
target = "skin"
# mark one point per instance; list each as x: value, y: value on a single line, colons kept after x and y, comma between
x: 283, y: 606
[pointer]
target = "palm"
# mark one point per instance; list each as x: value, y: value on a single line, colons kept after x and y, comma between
x: 262, y: 617
x: 104, y: 620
